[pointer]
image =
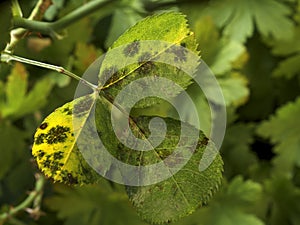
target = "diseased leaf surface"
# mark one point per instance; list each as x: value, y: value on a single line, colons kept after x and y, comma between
x: 67, y: 147
x: 55, y: 148
x: 179, y: 195
x: 171, y: 33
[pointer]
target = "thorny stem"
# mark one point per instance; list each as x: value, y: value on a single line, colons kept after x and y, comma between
x: 36, y: 193
x: 19, y: 33
x: 52, y: 27
x: 22, y: 25
x: 5, y: 57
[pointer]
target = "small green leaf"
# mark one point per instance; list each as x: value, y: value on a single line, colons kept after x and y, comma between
x: 286, y: 209
x: 18, y: 101
x: 283, y: 130
x: 289, y: 66
x: 234, y: 204
x: 234, y: 89
x: 218, y: 53
x: 16, y: 87
x: 238, y: 18
x: 93, y: 205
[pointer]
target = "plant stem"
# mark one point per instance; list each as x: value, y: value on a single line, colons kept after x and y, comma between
x: 36, y: 14
x: 52, y: 27
x: 5, y: 57
x: 38, y: 191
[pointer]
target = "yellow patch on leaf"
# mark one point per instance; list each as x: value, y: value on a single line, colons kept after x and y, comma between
x: 55, y: 147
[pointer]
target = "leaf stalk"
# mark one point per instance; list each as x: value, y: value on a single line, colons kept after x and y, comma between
x: 6, y: 57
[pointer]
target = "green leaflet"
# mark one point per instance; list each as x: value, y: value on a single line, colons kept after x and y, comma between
x: 238, y: 18
x: 55, y: 148
x: 19, y: 101
x: 286, y: 208
x: 289, y: 66
x: 181, y: 194
x: 234, y: 204
x: 93, y: 205
x: 286, y: 140
x: 132, y: 57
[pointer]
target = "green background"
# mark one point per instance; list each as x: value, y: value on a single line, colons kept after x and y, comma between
x: 253, y: 48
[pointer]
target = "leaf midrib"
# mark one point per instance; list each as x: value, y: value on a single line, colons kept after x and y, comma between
x: 141, y: 64
x: 144, y: 135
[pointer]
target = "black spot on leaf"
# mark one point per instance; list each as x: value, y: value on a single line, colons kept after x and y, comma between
x: 71, y: 179
x: 83, y: 106
x: 202, y: 142
x: 47, y: 162
x: 58, y: 155
x: 132, y: 49
x: 67, y: 111
x: 57, y: 134
x: 54, y: 167
x: 179, y: 52
x: 146, y: 68
x: 43, y: 126
x: 40, y: 139
x: 40, y: 153
x: 116, y: 77
x: 108, y: 73
x: 145, y: 57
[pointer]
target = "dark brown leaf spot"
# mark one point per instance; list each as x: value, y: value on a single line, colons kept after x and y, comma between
x: 132, y: 49
x: 57, y: 134
x: 202, y: 143
x: 40, y: 153
x: 83, y: 106
x: 40, y: 139
x: 71, y: 179
x: 107, y: 73
x: 179, y: 52
x: 43, y: 126
x: 67, y: 111
x: 58, y: 155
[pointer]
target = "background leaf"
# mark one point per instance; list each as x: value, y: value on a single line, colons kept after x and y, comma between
x: 93, y: 204
x: 231, y: 42
x: 286, y: 140
x: 18, y: 101
x: 231, y: 205
x: 238, y: 20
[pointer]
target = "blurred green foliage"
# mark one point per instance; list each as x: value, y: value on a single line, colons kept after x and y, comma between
x: 251, y: 46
